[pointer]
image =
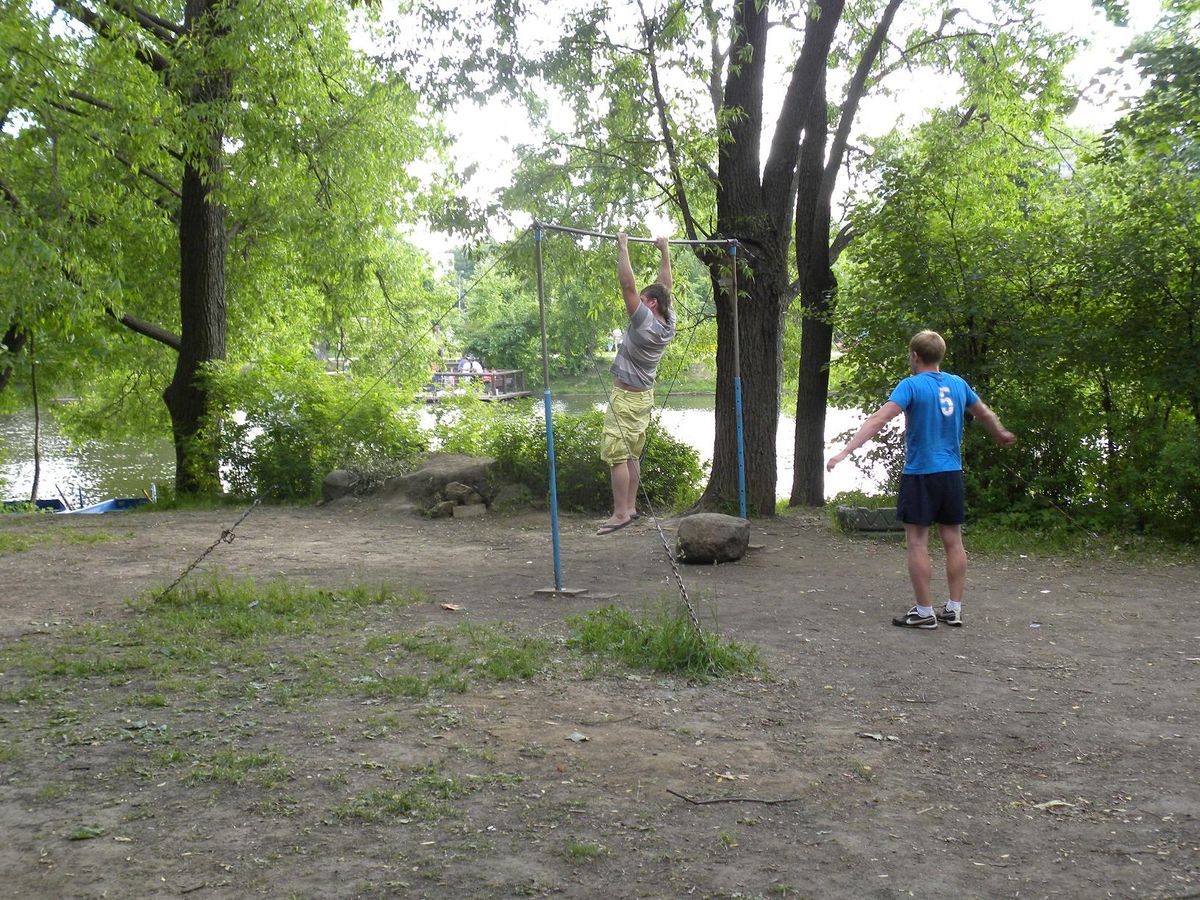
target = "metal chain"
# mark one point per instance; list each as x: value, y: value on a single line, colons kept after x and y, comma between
x: 225, y: 538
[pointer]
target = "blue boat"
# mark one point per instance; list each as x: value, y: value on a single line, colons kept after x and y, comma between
x: 116, y: 504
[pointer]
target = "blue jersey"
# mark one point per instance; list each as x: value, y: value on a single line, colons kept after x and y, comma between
x: 933, y: 404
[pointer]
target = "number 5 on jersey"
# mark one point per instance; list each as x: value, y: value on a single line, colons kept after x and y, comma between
x: 945, y: 401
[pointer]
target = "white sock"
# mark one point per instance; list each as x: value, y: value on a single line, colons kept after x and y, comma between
x: 924, y: 611
x: 952, y: 605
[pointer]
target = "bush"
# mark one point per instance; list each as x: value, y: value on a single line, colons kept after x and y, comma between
x: 1162, y: 495
x: 294, y: 424
x: 516, y: 439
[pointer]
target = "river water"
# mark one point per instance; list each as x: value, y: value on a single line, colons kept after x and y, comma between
x: 97, y: 470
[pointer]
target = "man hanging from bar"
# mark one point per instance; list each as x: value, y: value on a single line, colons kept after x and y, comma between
x: 651, y: 328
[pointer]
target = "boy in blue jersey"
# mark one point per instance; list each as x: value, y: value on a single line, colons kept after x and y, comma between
x: 931, y: 488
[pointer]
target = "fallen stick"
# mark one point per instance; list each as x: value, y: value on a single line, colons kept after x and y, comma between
x: 732, y: 799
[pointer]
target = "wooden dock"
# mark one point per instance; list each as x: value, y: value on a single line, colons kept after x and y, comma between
x: 492, y: 385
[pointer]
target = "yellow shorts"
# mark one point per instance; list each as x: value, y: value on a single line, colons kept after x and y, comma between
x: 625, y: 424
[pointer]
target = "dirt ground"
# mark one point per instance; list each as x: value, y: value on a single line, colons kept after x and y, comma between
x: 1049, y: 748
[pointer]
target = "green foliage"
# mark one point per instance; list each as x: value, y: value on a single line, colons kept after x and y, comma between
x: 1067, y: 299
x: 297, y: 423
x: 516, y: 438
x: 665, y: 641
x: 307, y: 154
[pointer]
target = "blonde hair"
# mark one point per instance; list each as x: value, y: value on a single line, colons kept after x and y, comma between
x: 929, y: 346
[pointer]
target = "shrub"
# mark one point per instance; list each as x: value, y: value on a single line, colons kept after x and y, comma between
x: 294, y: 424
x: 516, y: 439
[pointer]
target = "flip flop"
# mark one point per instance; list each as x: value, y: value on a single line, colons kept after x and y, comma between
x: 609, y: 529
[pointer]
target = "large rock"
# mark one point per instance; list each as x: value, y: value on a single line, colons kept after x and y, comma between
x: 337, y: 484
x: 427, y: 485
x: 461, y: 494
x: 711, y: 538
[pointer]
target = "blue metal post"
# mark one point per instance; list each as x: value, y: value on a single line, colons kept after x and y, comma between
x: 737, y: 388
x: 541, y: 287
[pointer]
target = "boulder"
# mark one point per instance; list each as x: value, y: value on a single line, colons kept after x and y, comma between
x: 711, y: 538
x: 443, y: 510
x: 337, y: 484
x: 427, y: 485
x: 461, y: 494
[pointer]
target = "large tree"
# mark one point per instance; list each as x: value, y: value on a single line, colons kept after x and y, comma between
x: 674, y: 107
x: 249, y: 137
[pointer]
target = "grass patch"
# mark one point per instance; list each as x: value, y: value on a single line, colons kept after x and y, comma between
x: 149, y: 701
x: 665, y: 641
x: 583, y: 851
x: 75, y: 536
x: 223, y: 610
x: 235, y: 767
x: 11, y: 542
x: 86, y: 833
x: 426, y: 797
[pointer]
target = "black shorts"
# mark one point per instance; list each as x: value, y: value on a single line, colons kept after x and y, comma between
x: 937, y: 497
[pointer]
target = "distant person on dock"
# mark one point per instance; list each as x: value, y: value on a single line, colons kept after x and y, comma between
x: 651, y: 328
x: 931, y: 488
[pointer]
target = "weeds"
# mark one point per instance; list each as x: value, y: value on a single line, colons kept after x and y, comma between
x: 235, y: 767
x: 665, y: 641
x: 11, y: 542
x: 425, y: 798
x: 583, y: 851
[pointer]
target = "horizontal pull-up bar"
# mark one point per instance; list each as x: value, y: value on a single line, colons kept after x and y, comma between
x: 638, y: 240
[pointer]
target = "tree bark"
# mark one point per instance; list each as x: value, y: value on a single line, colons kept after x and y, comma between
x: 757, y: 209
x: 742, y: 212
x: 817, y: 285
x: 14, y: 340
x: 202, y: 246
x: 816, y: 250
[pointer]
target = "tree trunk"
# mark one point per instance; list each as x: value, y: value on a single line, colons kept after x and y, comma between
x: 817, y: 173
x: 817, y: 286
x: 755, y: 210
x: 14, y: 340
x: 202, y: 246
x: 812, y: 398
x: 761, y: 357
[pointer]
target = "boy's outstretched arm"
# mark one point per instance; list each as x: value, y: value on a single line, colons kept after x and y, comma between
x: 991, y: 424
x: 866, y: 431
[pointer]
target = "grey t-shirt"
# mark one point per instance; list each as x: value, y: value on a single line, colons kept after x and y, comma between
x: 645, y: 340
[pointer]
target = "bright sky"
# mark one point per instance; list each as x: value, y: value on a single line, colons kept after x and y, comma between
x: 485, y: 137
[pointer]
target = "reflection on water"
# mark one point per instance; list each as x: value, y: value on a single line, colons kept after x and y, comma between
x: 126, y: 468
x: 97, y: 470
